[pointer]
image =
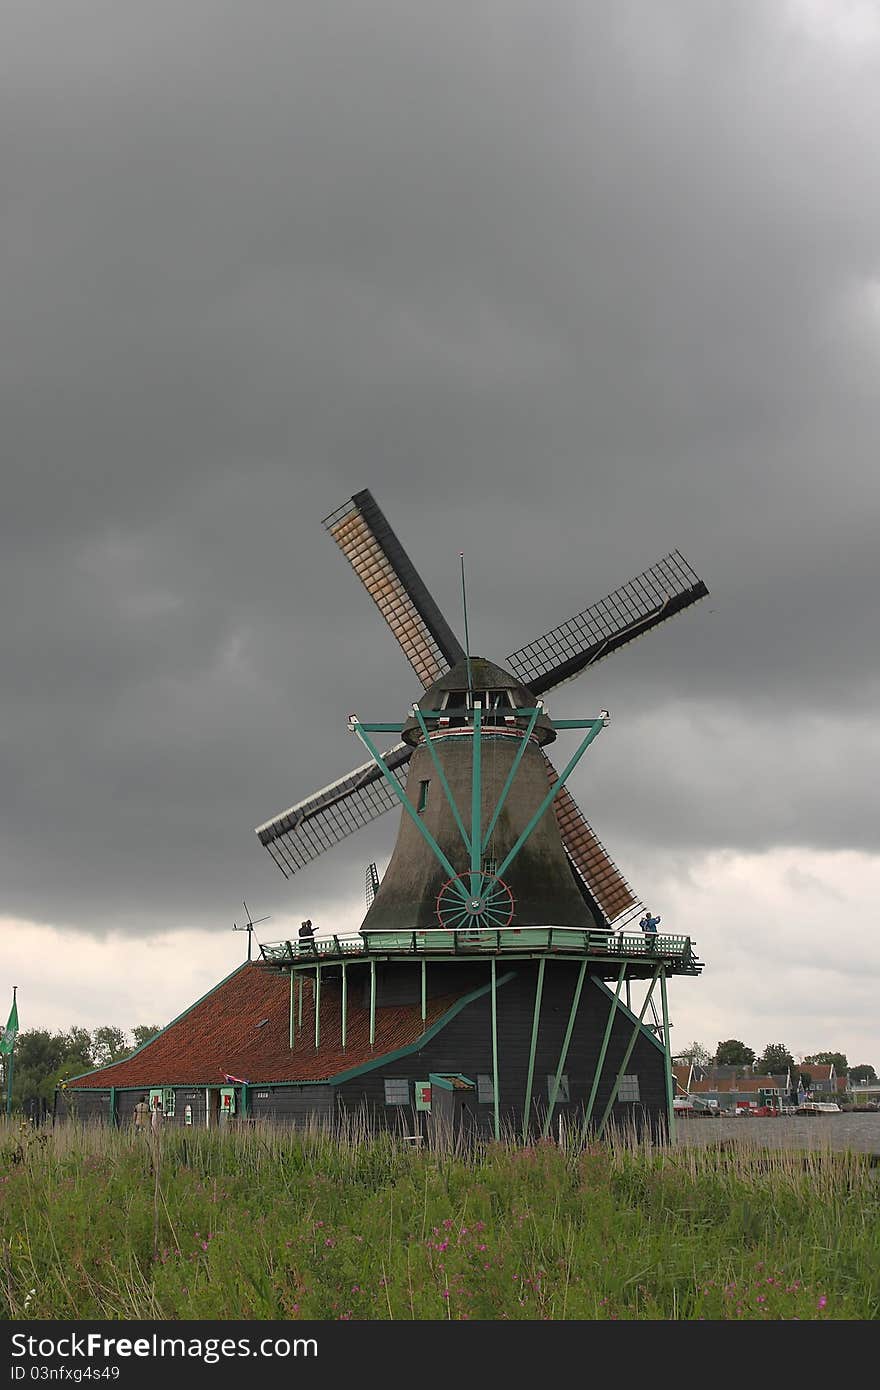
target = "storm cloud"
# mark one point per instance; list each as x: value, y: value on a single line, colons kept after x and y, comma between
x: 565, y: 285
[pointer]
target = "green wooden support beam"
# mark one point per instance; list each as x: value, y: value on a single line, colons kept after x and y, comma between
x: 300, y: 992
x: 539, y: 989
x: 476, y: 839
x: 495, y: 1085
x: 292, y: 983
x: 595, y: 728
x: 372, y: 1003
x: 626, y: 1056
x: 566, y: 1042
x: 402, y: 797
x: 670, y: 1089
x: 601, y: 1059
x: 510, y: 776
x: 317, y: 1007
x: 438, y: 768
x: 245, y: 1098
x: 344, y: 1005
x: 424, y: 989
x: 112, y: 1117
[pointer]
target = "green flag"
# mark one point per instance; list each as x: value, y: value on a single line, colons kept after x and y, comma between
x: 7, y: 1042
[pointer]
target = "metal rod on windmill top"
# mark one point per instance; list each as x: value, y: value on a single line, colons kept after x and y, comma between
x: 467, y: 641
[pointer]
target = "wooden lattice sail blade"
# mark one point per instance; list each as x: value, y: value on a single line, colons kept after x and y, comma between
x: 327, y: 817
x: 589, y: 859
x: 367, y: 541
x: 650, y: 598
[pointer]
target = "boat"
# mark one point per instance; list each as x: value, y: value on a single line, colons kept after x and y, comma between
x: 818, y: 1107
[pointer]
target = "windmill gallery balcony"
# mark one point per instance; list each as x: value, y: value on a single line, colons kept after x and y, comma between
x: 605, y: 950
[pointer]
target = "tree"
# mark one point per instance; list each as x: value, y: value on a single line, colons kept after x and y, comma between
x: 837, y: 1059
x: 696, y: 1053
x: 144, y: 1032
x: 774, y: 1059
x: 864, y: 1072
x: 108, y: 1045
x: 42, y: 1059
x: 733, y: 1053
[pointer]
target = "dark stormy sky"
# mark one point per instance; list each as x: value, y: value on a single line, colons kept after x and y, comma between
x: 566, y: 285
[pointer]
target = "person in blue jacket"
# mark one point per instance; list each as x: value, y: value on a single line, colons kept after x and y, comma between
x: 648, y: 925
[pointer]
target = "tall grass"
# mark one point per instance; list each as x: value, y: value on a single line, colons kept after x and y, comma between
x: 262, y: 1223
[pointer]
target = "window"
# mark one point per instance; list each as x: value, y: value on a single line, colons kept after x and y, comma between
x: 168, y: 1100
x: 562, y: 1093
x: 423, y: 795
x: 629, y: 1088
x: 396, y: 1091
x: 485, y: 1090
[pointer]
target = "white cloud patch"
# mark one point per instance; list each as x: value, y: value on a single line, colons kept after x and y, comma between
x: 790, y: 947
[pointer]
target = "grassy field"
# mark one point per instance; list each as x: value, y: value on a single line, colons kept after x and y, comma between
x: 262, y: 1224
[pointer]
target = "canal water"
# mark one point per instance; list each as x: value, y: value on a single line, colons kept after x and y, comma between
x: 860, y: 1132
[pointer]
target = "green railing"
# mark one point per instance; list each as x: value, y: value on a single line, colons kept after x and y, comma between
x: 470, y: 941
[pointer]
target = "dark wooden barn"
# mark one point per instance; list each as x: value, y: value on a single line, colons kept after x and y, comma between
x: 504, y: 1038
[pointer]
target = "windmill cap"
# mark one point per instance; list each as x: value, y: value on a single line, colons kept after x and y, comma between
x: 482, y: 677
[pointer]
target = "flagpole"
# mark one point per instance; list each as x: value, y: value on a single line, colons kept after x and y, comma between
x: 9, y: 1063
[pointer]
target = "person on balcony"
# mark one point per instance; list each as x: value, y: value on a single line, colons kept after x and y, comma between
x: 648, y: 925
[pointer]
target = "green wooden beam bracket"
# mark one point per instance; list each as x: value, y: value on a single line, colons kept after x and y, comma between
x: 595, y: 728
x: 476, y: 839
x: 626, y: 1056
x: 539, y: 989
x: 670, y: 1090
x: 438, y: 768
x: 497, y: 1098
x: 402, y: 797
x: 601, y: 1061
x: 510, y: 776
x: 372, y: 1003
x: 565, y: 1046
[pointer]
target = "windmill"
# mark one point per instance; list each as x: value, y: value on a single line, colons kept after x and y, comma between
x: 587, y: 886
x: 249, y: 925
x: 371, y: 883
x: 487, y: 991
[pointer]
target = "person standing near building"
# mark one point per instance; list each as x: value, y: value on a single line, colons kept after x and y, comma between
x: 141, y: 1112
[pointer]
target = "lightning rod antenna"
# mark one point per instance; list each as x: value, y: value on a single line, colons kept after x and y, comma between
x: 467, y: 640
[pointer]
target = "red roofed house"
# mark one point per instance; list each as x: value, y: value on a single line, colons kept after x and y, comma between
x: 823, y: 1078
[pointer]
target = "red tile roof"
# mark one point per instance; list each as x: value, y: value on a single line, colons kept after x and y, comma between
x: 742, y: 1083
x: 817, y: 1071
x: 242, y: 1029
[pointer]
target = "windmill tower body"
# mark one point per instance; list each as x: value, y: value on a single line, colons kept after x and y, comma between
x: 543, y: 889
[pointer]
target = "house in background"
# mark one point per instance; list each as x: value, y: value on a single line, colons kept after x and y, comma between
x: 824, y: 1081
x: 751, y: 1091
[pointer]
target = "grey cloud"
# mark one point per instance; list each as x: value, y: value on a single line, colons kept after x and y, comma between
x: 566, y: 286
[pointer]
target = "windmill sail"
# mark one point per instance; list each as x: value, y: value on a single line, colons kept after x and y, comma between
x: 650, y: 598
x: 327, y: 817
x: 591, y: 863
x: 363, y: 534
